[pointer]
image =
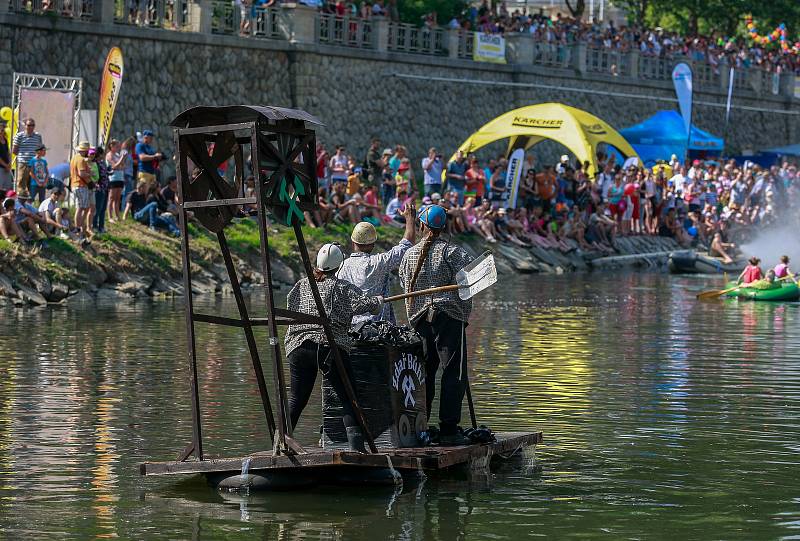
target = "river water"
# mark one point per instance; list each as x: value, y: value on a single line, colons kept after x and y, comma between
x: 663, y: 417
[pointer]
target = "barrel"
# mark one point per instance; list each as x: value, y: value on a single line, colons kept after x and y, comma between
x: 389, y: 373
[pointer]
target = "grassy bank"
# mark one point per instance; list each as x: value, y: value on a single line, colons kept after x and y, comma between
x: 130, y: 251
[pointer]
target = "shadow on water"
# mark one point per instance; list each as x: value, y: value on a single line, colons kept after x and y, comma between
x: 661, y: 415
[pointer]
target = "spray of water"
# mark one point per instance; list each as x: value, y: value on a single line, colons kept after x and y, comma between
x: 770, y: 244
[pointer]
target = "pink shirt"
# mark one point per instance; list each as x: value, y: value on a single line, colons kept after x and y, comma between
x: 780, y: 270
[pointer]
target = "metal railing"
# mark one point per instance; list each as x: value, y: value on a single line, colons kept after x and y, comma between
x: 407, y: 38
x: 69, y: 9
x: 557, y: 55
x: 706, y: 74
x: 466, y: 41
x: 607, y: 61
x: 256, y: 21
x: 169, y: 14
x: 653, y: 68
x: 345, y: 31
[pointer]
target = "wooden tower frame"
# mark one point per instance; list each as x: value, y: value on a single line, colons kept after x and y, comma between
x: 283, y: 162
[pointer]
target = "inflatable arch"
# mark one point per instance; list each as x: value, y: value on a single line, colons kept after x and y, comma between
x: 579, y: 131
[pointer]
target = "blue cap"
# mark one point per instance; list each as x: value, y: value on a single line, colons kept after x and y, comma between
x: 147, y: 133
x: 433, y: 216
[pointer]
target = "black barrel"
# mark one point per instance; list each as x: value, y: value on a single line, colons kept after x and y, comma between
x: 390, y: 382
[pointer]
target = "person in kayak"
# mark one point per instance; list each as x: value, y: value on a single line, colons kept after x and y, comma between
x: 307, y: 348
x: 440, y: 318
x: 371, y: 272
x: 782, y: 268
x: 751, y: 272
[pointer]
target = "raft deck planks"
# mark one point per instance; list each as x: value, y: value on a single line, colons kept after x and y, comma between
x: 409, y: 458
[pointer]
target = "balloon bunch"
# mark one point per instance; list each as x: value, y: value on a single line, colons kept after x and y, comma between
x: 6, y: 114
x: 778, y: 35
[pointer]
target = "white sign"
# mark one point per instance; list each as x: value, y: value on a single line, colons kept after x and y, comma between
x: 489, y: 48
x: 682, y: 79
x: 515, y: 165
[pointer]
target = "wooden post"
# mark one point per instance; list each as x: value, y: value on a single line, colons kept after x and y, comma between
x: 283, y: 423
x: 197, y: 432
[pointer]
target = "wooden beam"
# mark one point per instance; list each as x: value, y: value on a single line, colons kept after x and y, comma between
x: 220, y: 202
x: 414, y: 458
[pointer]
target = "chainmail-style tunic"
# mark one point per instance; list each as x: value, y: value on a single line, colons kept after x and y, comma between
x: 444, y: 260
x: 341, y: 299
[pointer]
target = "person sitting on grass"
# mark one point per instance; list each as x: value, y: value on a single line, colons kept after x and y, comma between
x: 28, y: 216
x: 146, y: 212
x: 345, y: 210
x: 56, y: 216
x: 9, y: 228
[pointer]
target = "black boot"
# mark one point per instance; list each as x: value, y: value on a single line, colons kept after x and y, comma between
x: 355, y: 439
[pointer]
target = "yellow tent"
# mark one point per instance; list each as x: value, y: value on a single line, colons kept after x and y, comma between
x: 577, y: 130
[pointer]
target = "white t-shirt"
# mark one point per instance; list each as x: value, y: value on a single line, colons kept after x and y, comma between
x: 340, y: 161
x: 678, y: 181
x: 48, y: 206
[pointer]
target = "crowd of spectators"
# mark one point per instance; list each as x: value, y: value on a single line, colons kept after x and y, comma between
x: 567, y: 206
x: 562, y: 30
x: 100, y: 184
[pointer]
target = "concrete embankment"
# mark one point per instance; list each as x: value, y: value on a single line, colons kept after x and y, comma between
x: 131, y: 261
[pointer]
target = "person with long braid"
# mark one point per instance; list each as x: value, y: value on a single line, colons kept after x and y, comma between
x: 440, y: 318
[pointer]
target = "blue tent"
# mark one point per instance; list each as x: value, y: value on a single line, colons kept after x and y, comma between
x: 664, y: 134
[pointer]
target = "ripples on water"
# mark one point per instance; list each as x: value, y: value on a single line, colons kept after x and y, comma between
x: 663, y: 417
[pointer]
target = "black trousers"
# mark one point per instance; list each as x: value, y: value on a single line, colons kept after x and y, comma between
x: 304, y: 362
x: 445, y: 344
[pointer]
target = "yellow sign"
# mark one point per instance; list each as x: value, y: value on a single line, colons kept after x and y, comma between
x: 489, y: 48
x: 109, y: 92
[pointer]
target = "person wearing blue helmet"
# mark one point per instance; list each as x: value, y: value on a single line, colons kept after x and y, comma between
x: 440, y: 318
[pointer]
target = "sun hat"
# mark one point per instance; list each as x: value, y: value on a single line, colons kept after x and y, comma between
x: 564, y: 158
x: 435, y: 196
x: 364, y: 233
x: 84, y: 146
x: 387, y: 151
x: 329, y: 258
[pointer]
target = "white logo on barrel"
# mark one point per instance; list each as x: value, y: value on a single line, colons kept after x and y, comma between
x: 406, y: 369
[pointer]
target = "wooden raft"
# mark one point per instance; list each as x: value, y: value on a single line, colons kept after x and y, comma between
x: 410, y: 458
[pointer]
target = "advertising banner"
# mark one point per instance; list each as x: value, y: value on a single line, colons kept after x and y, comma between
x: 489, y: 48
x: 682, y: 79
x: 109, y: 92
x: 515, y: 164
x: 53, y: 111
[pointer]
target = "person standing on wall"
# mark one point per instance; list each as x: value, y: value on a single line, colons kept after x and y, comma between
x: 371, y: 272
x: 25, y: 144
x: 440, y: 318
x: 307, y: 347
x: 148, y: 157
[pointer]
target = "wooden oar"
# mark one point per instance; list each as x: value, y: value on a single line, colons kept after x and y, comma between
x: 705, y: 295
x: 472, y: 279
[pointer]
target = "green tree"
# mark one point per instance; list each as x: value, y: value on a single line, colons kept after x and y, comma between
x: 413, y: 11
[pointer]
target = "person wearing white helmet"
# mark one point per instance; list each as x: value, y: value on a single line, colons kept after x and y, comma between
x: 307, y: 348
x: 439, y: 318
x: 371, y: 272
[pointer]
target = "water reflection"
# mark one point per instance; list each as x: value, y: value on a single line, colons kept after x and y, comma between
x: 658, y: 411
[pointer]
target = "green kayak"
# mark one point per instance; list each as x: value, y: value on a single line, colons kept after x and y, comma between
x: 783, y: 292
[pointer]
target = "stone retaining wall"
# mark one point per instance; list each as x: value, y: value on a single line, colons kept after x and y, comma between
x: 356, y: 93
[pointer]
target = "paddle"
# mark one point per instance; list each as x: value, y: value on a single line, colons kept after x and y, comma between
x: 718, y: 293
x: 472, y: 279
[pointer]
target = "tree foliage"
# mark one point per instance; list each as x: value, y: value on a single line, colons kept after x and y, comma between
x: 725, y: 17
x: 413, y: 11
